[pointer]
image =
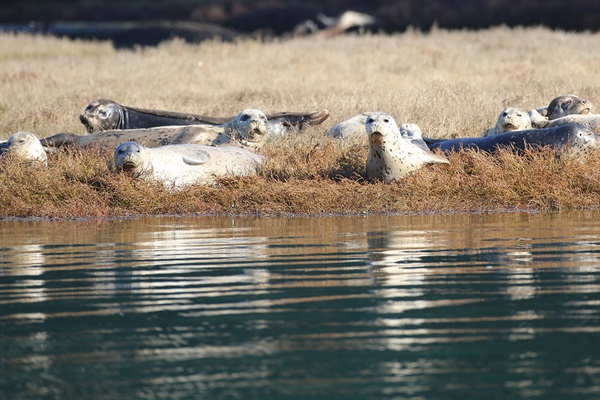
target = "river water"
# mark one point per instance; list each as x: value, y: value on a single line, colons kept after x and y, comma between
x: 484, y: 306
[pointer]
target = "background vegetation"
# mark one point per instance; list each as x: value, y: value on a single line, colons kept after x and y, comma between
x: 450, y: 83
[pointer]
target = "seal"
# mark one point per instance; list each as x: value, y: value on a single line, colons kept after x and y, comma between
x: 510, y: 119
x: 247, y: 129
x: 572, y: 140
x: 567, y: 104
x: 103, y: 114
x: 26, y: 147
x: 390, y: 155
x: 592, y: 121
x: 181, y: 165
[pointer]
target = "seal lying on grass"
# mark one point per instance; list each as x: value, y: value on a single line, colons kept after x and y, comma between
x: 577, y: 140
x: 26, y: 147
x: 561, y: 107
x: 390, y: 155
x: 177, y: 166
x: 102, y: 114
x: 248, y: 129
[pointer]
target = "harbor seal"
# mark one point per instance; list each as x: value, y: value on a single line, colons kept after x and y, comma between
x: 510, y: 119
x: 181, y: 165
x: 560, y: 107
x: 567, y: 104
x: 247, y: 129
x: 26, y: 147
x: 103, y: 114
x: 592, y: 121
x: 572, y: 139
x: 390, y: 155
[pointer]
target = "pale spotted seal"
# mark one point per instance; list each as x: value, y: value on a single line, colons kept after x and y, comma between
x: 102, y: 115
x: 572, y: 139
x: 181, y: 165
x: 390, y: 155
x: 248, y: 129
x: 510, y: 119
x: 26, y: 147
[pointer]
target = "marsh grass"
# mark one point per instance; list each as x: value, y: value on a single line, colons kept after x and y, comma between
x: 449, y: 83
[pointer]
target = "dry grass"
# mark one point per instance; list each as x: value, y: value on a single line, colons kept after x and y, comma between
x: 449, y: 83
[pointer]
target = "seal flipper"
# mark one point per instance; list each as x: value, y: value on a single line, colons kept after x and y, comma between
x: 298, y: 119
x: 58, y: 140
x: 201, y: 157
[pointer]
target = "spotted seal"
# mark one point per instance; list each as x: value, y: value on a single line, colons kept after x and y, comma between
x: 572, y: 139
x: 510, y: 119
x: 247, y: 129
x: 181, y: 165
x: 103, y: 114
x: 26, y: 147
x: 390, y: 155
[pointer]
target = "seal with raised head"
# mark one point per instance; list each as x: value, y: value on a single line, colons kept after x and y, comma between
x: 247, y: 129
x: 26, y: 147
x: 510, y: 119
x: 390, y: 155
x: 573, y: 140
x: 181, y: 165
x: 352, y: 128
x: 560, y: 107
x: 567, y: 104
x: 103, y: 114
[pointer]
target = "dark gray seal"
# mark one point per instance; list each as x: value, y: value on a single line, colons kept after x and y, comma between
x: 572, y: 139
x: 103, y: 114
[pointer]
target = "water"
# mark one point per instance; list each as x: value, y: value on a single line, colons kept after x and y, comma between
x: 497, y: 306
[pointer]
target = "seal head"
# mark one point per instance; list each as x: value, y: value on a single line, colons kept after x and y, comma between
x: 25, y: 146
x: 249, y: 128
x: 102, y: 115
x: 132, y: 158
x: 568, y: 104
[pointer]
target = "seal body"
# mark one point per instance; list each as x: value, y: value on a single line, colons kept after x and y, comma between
x: 26, y: 147
x: 510, y: 119
x: 573, y: 139
x: 352, y: 128
x: 390, y: 155
x: 103, y: 114
x: 247, y: 129
x: 178, y: 166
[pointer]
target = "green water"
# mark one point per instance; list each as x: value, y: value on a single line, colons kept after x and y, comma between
x: 498, y: 306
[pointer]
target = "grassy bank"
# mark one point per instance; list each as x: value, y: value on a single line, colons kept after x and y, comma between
x: 449, y: 83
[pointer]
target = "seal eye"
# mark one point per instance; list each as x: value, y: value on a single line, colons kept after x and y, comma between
x: 370, y: 120
x: 245, y: 117
x: 386, y: 120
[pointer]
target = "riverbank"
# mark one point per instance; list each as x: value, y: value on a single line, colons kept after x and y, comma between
x: 449, y: 83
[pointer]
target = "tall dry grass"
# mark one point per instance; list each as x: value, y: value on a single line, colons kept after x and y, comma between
x: 447, y: 82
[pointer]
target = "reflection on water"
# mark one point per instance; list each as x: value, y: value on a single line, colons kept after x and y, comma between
x: 435, y: 306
